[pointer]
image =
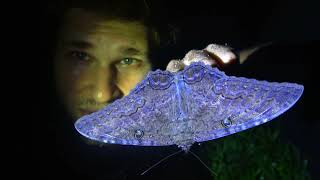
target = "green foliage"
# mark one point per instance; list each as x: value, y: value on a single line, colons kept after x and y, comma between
x: 257, y: 153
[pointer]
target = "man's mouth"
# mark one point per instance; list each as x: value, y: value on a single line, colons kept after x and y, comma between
x: 86, y: 111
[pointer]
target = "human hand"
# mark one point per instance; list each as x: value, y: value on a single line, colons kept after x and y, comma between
x: 213, y: 55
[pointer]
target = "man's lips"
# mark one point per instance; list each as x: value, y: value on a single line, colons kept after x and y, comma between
x: 86, y: 111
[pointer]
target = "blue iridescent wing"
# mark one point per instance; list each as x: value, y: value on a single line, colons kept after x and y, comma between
x: 137, y: 119
x: 197, y: 104
x: 222, y: 105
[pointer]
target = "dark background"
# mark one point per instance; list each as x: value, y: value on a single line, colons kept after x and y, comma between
x: 58, y: 152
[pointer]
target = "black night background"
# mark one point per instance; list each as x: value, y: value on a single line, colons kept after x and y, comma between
x: 293, y: 27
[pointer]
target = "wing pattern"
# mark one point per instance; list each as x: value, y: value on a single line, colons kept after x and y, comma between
x: 197, y: 104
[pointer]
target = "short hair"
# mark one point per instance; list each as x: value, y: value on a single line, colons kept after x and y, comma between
x: 127, y: 9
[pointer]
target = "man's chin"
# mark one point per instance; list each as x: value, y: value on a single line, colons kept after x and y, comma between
x: 77, y: 114
x: 84, y: 112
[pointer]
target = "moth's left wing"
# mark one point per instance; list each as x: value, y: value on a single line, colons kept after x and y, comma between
x: 139, y: 118
x: 221, y: 105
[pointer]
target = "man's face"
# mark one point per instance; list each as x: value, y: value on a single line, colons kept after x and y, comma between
x: 98, y: 60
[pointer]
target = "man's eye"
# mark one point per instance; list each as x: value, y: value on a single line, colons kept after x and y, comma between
x: 80, y: 55
x: 128, y: 61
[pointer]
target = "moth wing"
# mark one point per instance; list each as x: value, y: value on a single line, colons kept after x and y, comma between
x: 233, y: 104
x: 136, y: 119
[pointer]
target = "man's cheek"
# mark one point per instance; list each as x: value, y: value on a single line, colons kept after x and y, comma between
x: 72, y: 86
x: 128, y: 82
x: 77, y: 70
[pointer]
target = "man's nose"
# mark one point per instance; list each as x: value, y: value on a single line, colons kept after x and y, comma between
x: 105, y: 86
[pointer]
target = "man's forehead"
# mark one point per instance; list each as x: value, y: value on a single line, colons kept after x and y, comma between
x: 93, y: 21
x: 121, y: 44
x: 100, y: 31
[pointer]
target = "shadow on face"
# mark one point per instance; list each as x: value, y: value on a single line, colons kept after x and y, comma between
x: 98, y: 60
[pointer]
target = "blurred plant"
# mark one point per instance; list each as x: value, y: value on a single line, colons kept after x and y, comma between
x: 257, y: 153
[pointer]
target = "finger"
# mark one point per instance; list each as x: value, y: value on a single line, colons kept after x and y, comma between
x: 222, y: 54
x: 245, y: 53
x: 175, y: 65
x: 196, y: 56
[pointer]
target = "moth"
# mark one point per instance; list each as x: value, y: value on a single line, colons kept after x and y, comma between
x: 199, y: 103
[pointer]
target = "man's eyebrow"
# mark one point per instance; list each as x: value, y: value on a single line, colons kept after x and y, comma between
x: 80, y: 44
x: 130, y: 51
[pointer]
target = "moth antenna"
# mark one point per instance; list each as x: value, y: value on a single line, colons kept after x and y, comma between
x: 202, y: 163
x: 161, y: 161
